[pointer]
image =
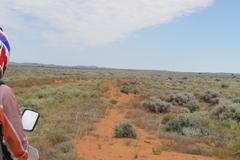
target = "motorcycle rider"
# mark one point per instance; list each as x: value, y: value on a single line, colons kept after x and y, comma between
x: 14, y: 142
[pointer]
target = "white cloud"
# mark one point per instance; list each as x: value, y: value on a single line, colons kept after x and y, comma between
x: 92, y: 22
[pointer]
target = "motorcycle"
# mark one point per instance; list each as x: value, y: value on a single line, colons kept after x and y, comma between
x: 29, y: 121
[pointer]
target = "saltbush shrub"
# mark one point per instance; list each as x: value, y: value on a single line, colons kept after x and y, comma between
x: 211, y: 97
x: 226, y: 110
x: 180, y: 98
x: 125, y: 90
x: 125, y: 129
x: 189, y: 131
x: 184, y: 110
x: 224, y: 85
x: 235, y: 100
x: 156, y: 105
x: 34, y: 104
x: 192, y: 106
x: 182, y: 122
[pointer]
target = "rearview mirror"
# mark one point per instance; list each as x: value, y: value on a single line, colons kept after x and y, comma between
x: 29, y: 119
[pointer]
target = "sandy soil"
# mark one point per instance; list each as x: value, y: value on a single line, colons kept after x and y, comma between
x: 102, y: 145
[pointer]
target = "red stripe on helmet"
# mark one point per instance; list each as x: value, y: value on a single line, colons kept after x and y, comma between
x: 4, y: 54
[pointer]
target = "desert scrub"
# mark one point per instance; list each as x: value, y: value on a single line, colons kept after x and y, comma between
x: 156, y: 150
x: 166, y: 118
x: 135, y: 90
x: 68, y: 156
x: 180, y: 98
x: 226, y: 110
x: 134, y: 104
x: 34, y: 104
x: 147, y: 121
x: 184, y: 110
x: 57, y: 137
x: 125, y: 90
x: 156, y: 105
x: 192, y: 106
x: 128, y: 142
x: 224, y: 85
x: 125, y: 129
x: 113, y: 101
x: 211, y: 97
x: 235, y: 100
x: 64, y: 147
x: 184, y: 123
x: 105, y: 89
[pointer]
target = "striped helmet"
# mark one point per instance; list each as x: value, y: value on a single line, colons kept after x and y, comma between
x: 4, y: 53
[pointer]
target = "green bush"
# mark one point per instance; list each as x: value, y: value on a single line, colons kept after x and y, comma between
x: 180, y: 98
x: 211, y: 97
x: 57, y: 137
x: 235, y: 100
x: 125, y: 90
x: 189, y: 131
x: 125, y: 129
x: 156, y: 105
x: 226, y: 110
x: 185, y: 110
x: 224, y: 85
x: 50, y: 152
x: 192, y: 106
x: 182, y: 122
x: 34, y: 104
x: 64, y: 147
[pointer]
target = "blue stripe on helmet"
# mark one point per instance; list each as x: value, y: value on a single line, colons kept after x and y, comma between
x: 5, y: 41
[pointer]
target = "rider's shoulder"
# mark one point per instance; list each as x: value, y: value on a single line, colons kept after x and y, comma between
x: 5, y: 88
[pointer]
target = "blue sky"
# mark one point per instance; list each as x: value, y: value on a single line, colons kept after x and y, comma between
x: 173, y: 35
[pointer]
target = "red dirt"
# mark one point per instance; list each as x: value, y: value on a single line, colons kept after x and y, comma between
x: 102, y: 145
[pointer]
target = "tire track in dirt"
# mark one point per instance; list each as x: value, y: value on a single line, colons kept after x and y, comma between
x: 102, y: 145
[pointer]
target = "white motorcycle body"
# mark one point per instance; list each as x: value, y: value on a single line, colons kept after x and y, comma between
x: 33, y: 153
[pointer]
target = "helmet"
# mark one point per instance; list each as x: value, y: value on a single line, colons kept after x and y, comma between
x: 4, y: 53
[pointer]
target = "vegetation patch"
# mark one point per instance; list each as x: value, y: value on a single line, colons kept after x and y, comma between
x: 185, y: 124
x: 211, y: 97
x: 192, y: 106
x: 125, y: 89
x: 71, y: 100
x: 156, y: 105
x: 180, y: 98
x: 125, y: 129
x: 226, y: 110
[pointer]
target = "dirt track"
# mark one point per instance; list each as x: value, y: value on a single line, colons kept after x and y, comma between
x: 102, y: 145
